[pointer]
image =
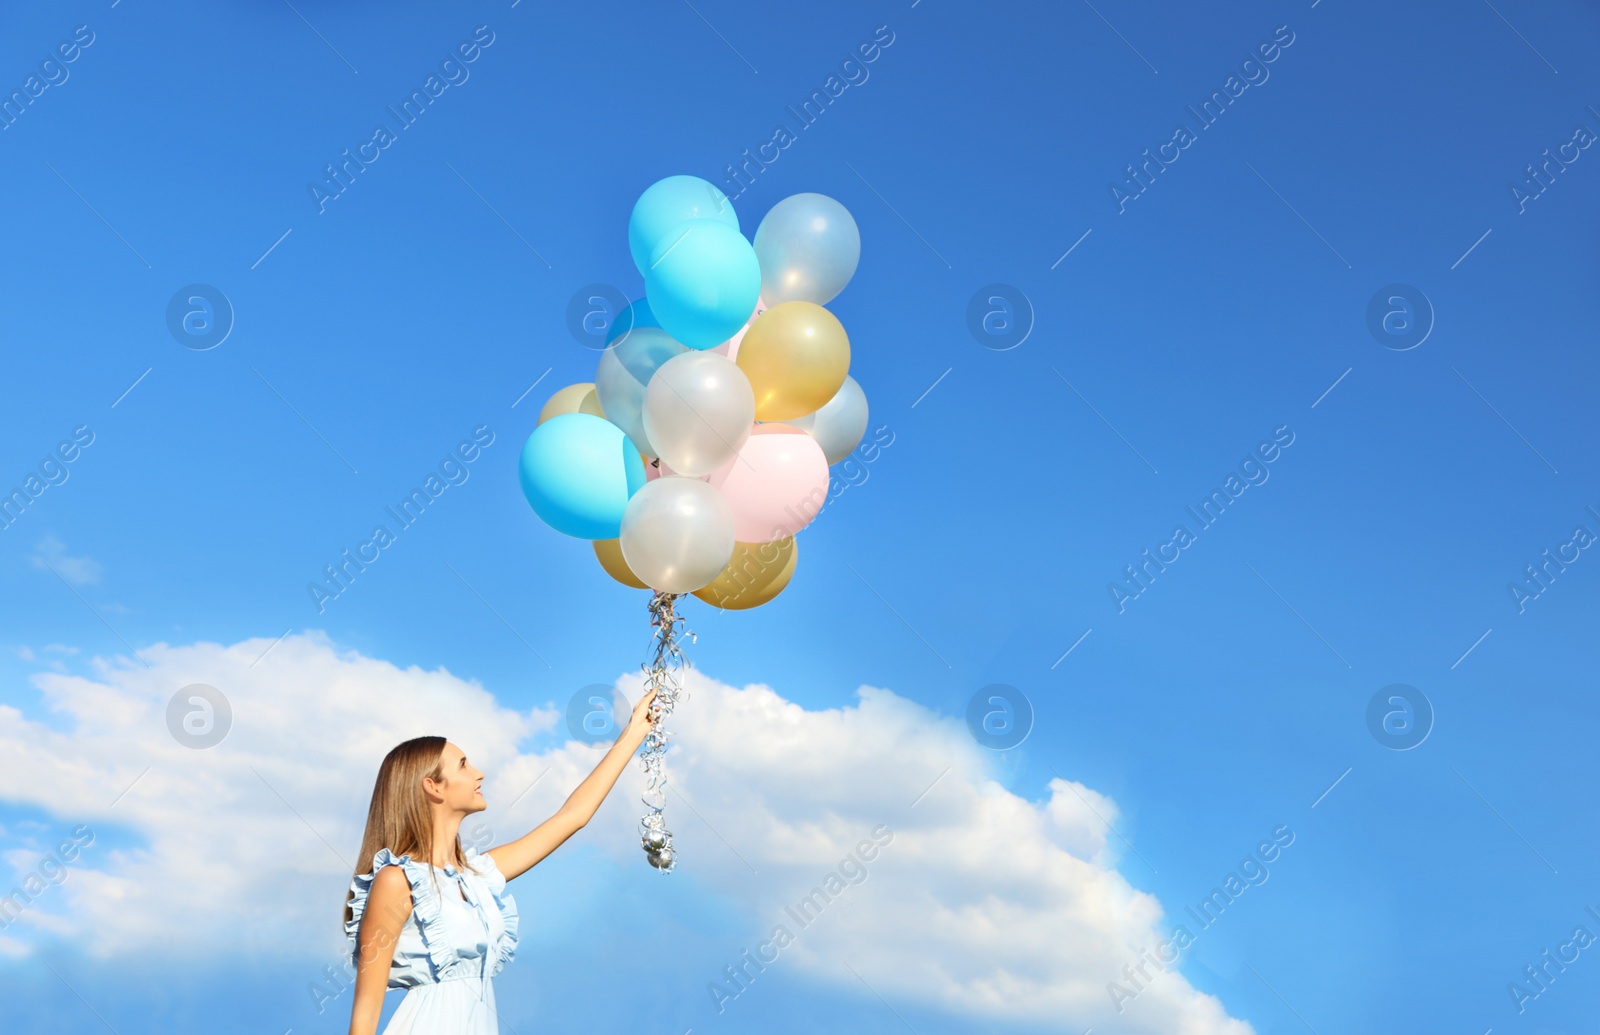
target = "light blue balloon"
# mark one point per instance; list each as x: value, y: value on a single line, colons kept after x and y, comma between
x: 578, y: 471
x: 809, y: 247
x: 634, y: 315
x: 623, y: 373
x: 703, y: 282
x: 841, y: 422
x: 667, y: 203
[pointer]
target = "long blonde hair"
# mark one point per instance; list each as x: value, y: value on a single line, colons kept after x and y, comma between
x: 398, y: 817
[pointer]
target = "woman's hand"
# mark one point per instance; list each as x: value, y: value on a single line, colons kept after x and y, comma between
x: 639, y: 723
x: 518, y: 856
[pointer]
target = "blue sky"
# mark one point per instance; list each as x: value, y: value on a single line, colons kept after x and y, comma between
x: 1171, y: 334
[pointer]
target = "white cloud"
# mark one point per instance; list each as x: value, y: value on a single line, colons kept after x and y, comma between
x: 51, y: 554
x: 982, y: 903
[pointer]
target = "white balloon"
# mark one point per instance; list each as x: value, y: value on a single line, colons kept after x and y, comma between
x: 840, y: 423
x: 677, y: 534
x: 698, y: 410
x: 808, y: 246
x: 625, y: 368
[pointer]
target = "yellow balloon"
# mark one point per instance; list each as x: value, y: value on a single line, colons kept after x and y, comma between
x: 796, y: 356
x: 579, y: 398
x: 609, y: 553
x: 755, y: 574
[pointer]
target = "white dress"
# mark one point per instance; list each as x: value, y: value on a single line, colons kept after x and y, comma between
x: 461, y: 932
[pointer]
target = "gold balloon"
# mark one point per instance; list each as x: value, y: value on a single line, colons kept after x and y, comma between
x: 756, y: 573
x: 796, y: 356
x: 609, y: 553
x: 579, y: 398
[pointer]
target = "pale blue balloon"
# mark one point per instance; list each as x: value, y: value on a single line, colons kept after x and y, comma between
x: 841, y: 422
x: 622, y: 374
x: 667, y: 203
x: 703, y: 283
x: 809, y: 247
x: 578, y: 472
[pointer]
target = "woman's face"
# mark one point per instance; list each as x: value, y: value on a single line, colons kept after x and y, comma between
x: 458, y: 783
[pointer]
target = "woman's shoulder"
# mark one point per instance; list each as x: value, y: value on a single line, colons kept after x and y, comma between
x: 400, y: 887
x: 390, y: 894
x: 384, y: 858
x: 397, y: 881
x: 391, y: 880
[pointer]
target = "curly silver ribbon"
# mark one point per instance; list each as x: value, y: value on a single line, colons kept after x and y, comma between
x: 664, y: 675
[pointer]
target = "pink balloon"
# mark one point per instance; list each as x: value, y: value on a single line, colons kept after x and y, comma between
x: 730, y: 348
x: 776, y: 484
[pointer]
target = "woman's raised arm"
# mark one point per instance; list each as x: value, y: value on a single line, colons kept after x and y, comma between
x: 517, y: 857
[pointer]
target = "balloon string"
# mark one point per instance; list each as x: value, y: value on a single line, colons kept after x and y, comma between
x: 664, y: 675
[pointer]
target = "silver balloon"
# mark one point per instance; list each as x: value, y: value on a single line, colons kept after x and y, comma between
x: 808, y: 247
x: 624, y: 370
x: 840, y: 423
x: 661, y: 860
x: 698, y: 410
x: 677, y: 533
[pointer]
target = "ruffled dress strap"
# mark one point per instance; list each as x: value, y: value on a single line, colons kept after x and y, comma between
x: 426, y: 908
x: 484, y: 865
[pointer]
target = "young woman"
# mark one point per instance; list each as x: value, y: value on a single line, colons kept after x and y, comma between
x: 434, y: 919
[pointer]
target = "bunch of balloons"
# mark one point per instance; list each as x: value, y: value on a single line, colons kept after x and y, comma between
x: 703, y: 443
